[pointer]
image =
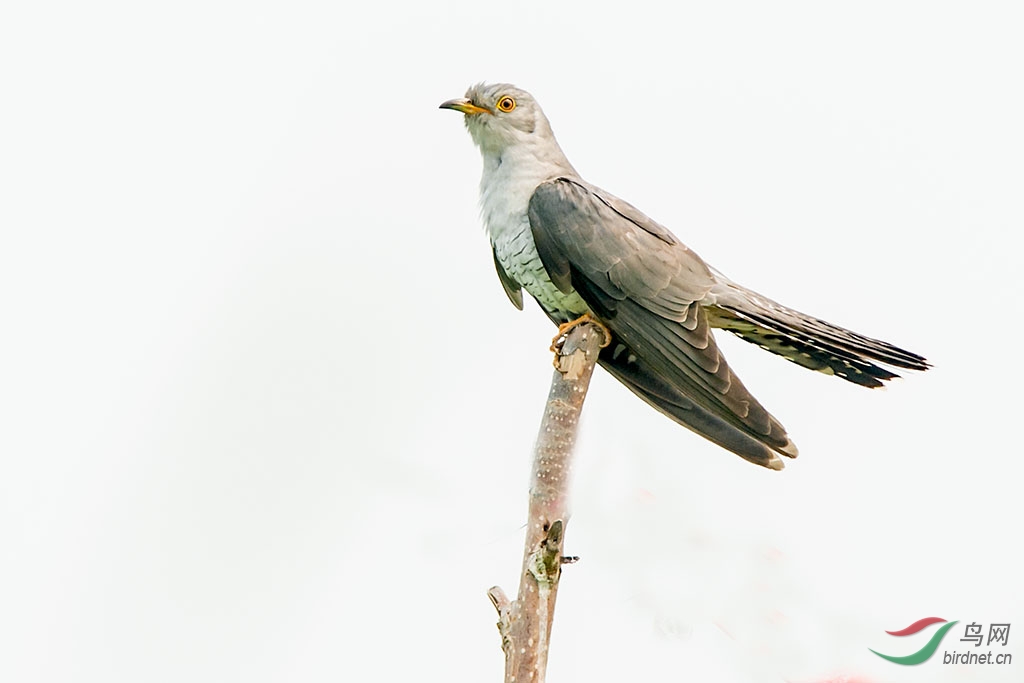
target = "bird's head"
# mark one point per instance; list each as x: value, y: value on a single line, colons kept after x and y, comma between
x: 500, y: 116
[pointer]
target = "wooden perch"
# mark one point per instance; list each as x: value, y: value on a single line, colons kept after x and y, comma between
x: 525, y: 623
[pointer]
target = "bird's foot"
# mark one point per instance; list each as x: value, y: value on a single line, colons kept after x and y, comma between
x: 565, y: 328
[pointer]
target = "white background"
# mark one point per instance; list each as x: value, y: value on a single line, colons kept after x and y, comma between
x: 266, y: 414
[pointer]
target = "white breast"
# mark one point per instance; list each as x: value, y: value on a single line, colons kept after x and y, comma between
x: 505, y: 191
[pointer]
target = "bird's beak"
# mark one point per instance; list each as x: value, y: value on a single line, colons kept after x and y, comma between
x: 463, y: 105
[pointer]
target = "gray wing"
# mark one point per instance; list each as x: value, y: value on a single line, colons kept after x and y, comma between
x: 512, y: 288
x: 645, y: 285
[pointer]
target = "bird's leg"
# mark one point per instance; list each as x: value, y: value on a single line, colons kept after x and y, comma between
x: 565, y: 328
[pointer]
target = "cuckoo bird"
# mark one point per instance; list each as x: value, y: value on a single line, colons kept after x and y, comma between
x: 582, y: 252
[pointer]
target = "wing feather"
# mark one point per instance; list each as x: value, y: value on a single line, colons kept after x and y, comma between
x: 645, y: 285
x: 512, y: 288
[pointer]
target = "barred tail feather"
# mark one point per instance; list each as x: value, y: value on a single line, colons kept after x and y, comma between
x: 811, y: 342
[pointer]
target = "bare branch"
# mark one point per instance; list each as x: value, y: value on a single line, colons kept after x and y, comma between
x: 525, y: 623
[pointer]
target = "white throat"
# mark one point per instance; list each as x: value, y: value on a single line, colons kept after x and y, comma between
x: 509, y: 179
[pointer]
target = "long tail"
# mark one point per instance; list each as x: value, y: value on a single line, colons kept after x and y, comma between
x: 808, y: 341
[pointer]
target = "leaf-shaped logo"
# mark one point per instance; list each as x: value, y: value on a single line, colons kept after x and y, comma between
x: 930, y: 647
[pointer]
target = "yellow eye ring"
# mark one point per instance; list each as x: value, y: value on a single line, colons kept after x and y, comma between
x: 506, y: 104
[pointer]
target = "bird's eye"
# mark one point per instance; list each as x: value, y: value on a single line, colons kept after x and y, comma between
x: 506, y: 104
